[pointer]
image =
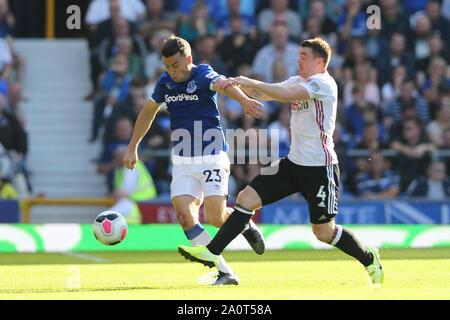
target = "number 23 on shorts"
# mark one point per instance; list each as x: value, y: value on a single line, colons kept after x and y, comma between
x: 212, y: 175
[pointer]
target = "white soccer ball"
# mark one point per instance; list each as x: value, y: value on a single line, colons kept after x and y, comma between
x: 110, y: 228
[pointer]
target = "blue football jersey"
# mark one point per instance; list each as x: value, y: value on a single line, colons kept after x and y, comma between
x: 194, y: 114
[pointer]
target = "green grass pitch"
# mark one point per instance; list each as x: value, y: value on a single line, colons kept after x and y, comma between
x: 277, y: 275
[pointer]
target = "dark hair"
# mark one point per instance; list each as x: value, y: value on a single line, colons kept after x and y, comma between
x: 320, y: 48
x: 175, y: 45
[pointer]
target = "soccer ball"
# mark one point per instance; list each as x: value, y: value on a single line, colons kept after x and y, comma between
x: 110, y: 228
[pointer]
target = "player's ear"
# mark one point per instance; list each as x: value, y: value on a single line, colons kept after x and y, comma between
x: 189, y: 57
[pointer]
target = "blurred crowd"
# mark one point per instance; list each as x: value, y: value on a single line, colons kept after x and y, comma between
x: 393, y: 126
x: 14, y: 175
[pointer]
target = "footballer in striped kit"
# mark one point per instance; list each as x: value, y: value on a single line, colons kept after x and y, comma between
x: 311, y: 167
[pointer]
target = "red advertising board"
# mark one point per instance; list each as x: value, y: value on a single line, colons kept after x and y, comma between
x: 165, y: 213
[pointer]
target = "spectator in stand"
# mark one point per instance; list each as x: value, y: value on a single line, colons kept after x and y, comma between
x: 372, y: 137
x: 7, y: 189
x: 398, y: 55
x: 14, y: 140
x: 267, y: 17
x: 115, y: 88
x: 206, y: 53
x: 445, y: 10
x: 317, y: 9
x: 312, y: 28
x: 393, y: 20
x: 123, y: 131
x: 445, y: 147
x: 109, y: 47
x: 375, y: 43
x: 7, y: 20
x: 129, y: 108
x: 414, y: 150
x: 237, y: 48
x: 13, y: 137
x: 156, y: 18
x: 438, y: 22
x: 437, y: 49
x: 279, y: 47
x: 248, y: 22
x: 361, y: 112
x: 436, y: 128
x: 363, y: 77
x: 153, y: 60
x: 437, y: 78
x: 418, y: 39
x: 97, y: 33
x: 352, y: 22
x: 6, y: 62
x: 378, y: 182
x: 357, y: 53
x: 14, y: 98
x: 105, y: 28
x: 135, y: 62
x: 99, y: 10
x: 186, y: 8
x: 434, y: 186
x: 198, y: 24
x: 409, y: 100
x: 392, y: 89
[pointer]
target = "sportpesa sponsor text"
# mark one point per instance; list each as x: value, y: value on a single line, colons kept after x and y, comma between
x: 181, y: 97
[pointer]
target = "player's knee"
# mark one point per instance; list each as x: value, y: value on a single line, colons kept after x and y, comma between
x: 322, y: 234
x: 248, y: 198
x: 184, y: 218
x: 214, y: 220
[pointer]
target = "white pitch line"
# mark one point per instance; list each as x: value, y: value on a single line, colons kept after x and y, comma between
x: 84, y: 256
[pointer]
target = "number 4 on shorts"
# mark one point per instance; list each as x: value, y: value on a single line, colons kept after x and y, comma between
x: 321, y: 194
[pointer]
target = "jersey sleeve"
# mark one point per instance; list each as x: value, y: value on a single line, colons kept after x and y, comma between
x: 158, y: 91
x: 316, y: 88
x: 208, y: 76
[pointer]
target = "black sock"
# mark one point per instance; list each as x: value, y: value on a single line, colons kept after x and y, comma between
x: 232, y: 227
x: 346, y: 240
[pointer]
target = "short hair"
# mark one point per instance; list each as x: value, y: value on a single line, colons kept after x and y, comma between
x: 175, y: 45
x: 320, y: 48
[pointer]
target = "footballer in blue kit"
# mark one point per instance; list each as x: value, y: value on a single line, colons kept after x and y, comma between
x: 201, y: 166
x: 192, y: 106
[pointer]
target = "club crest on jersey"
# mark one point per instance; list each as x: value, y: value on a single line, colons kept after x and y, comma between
x: 191, y: 87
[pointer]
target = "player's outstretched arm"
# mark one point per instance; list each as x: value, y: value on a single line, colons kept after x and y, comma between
x: 250, y: 106
x: 276, y: 91
x: 143, y: 123
x: 273, y: 91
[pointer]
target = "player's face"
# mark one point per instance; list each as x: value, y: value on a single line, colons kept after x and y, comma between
x: 307, y: 62
x: 178, y: 67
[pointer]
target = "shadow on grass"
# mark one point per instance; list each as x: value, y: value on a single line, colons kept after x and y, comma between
x: 230, y: 256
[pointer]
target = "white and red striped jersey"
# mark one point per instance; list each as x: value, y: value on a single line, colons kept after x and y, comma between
x: 313, y: 121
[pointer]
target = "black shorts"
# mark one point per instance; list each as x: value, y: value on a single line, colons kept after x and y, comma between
x: 318, y: 185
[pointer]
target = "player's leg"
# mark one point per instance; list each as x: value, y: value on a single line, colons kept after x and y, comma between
x: 264, y: 189
x: 216, y: 210
x: 186, y: 208
x: 322, y: 193
x: 217, y: 213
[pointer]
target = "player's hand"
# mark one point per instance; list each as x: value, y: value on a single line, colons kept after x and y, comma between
x: 252, y: 107
x: 243, y: 81
x: 222, y: 84
x: 130, y: 159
